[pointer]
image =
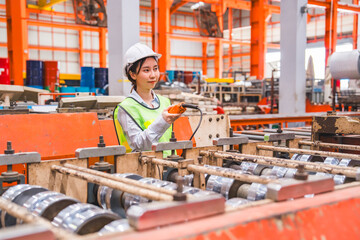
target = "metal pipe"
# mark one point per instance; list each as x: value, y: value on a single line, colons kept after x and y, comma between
x: 297, y: 130
x: 310, y: 152
x: 253, y: 133
x: 120, y: 179
x: 114, y: 184
x: 22, y: 213
x: 166, y: 163
x: 288, y: 163
x: 331, y: 145
x: 229, y: 173
x: 296, y: 133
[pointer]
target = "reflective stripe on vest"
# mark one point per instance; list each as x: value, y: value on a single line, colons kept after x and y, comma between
x: 143, y: 117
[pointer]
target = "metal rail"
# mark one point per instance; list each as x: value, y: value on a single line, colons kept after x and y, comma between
x: 121, y: 179
x: 229, y: 173
x: 310, y: 152
x: 287, y: 163
x: 223, y: 172
x: 331, y: 145
x: 150, y: 194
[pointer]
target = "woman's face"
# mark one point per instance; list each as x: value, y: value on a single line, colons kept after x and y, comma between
x: 148, y: 75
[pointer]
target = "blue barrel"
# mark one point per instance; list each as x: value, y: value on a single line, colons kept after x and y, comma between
x: 179, y: 76
x: 87, y: 77
x: 34, y: 73
x: 101, y: 77
x: 196, y: 75
x: 82, y: 89
x: 67, y: 90
x: 36, y: 86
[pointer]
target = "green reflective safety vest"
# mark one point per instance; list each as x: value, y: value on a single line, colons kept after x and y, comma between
x: 143, y: 117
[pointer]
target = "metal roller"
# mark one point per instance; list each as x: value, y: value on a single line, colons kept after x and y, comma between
x: 291, y: 171
x: 130, y: 199
x: 18, y: 194
x: 340, y: 179
x: 121, y: 225
x: 220, y: 185
x: 188, y: 180
x: 255, y: 168
x: 279, y: 172
x: 256, y: 192
x: 235, y: 202
x: 48, y: 204
x: 83, y: 218
x: 110, y: 199
x: 329, y: 161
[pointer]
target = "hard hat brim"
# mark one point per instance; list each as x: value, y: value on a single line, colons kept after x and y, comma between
x: 158, y: 55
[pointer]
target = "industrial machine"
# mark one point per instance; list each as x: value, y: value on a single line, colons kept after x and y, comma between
x: 248, y: 185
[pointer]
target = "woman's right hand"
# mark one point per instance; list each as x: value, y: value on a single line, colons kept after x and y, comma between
x: 170, y: 117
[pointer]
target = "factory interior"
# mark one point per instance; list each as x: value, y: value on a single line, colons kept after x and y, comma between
x: 252, y: 130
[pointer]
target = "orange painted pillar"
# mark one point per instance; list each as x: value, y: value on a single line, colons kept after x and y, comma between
x: 17, y: 39
x: 164, y: 30
x: 230, y: 26
x: 81, y: 49
x: 330, y: 29
x: 102, y: 46
x: 204, y: 61
x: 218, y: 64
x: 355, y: 27
x: 258, y: 38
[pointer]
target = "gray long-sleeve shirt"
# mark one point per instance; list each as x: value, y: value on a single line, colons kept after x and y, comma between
x: 138, y: 139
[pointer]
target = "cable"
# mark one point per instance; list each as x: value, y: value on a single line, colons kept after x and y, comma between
x: 201, y: 115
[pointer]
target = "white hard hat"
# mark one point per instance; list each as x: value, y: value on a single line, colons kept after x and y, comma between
x: 137, y: 52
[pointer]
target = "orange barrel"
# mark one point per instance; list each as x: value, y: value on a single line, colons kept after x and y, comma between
x: 51, y: 75
x: 4, y: 71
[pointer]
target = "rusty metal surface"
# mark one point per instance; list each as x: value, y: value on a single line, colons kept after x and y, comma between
x: 336, y: 124
x: 331, y: 145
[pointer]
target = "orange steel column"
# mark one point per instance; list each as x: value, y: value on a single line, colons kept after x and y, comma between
x: 355, y: 27
x: 17, y: 39
x: 230, y: 26
x: 164, y: 30
x: 81, y: 49
x: 204, y: 61
x: 258, y: 38
x: 330, y: 28
x: 154, y: 24
x: 218, y: 64
x: 102, y: 47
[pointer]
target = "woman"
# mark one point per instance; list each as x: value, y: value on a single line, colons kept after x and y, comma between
x: 142, y: 119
